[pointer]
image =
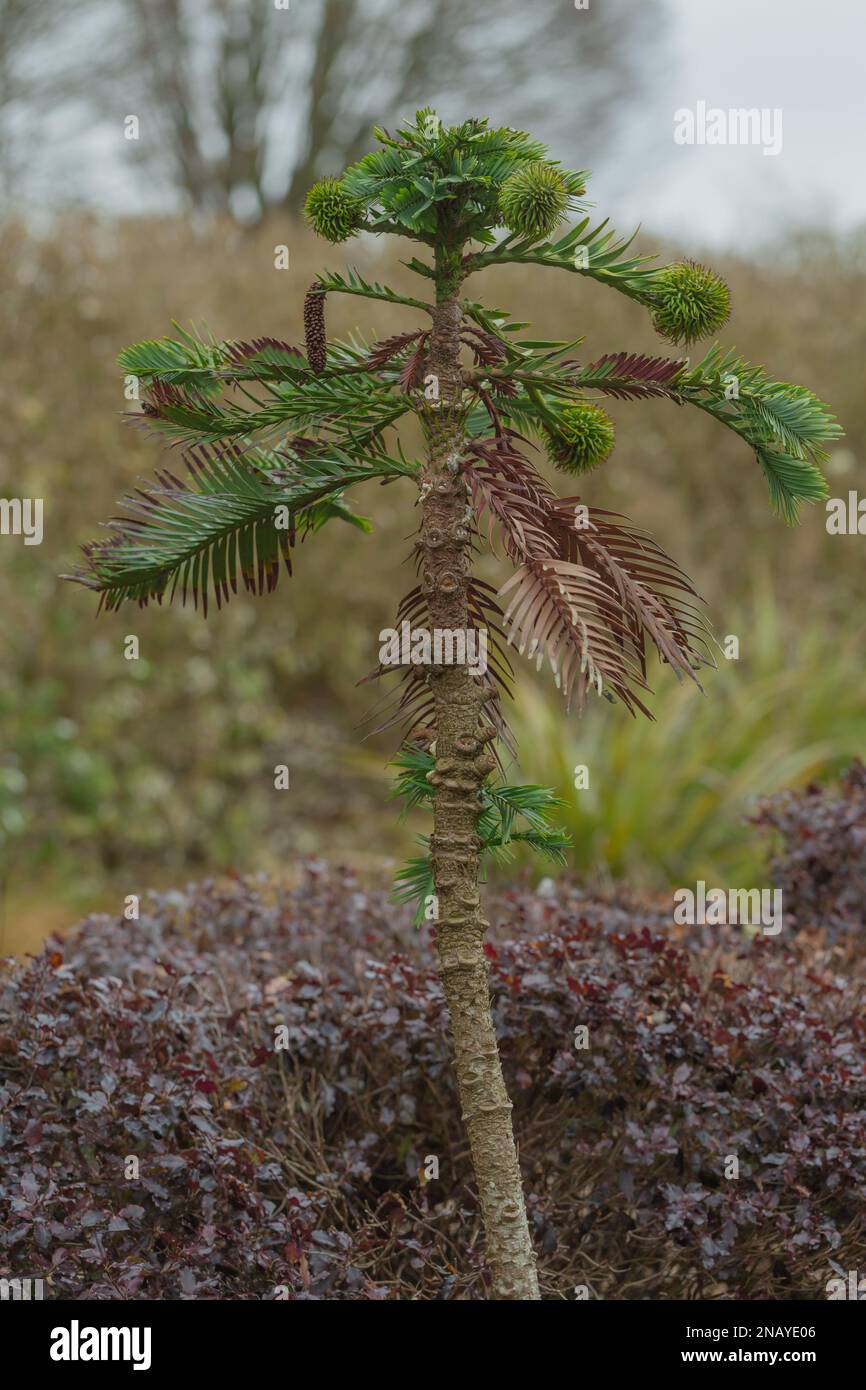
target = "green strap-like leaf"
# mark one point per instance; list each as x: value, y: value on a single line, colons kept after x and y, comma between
x: 584, y: 250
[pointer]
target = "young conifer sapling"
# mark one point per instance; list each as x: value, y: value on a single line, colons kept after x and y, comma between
x: 275, y: 436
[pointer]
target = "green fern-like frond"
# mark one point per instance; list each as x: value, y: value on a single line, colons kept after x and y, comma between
x: 413, y: 883
x: 551, y: 843
x: 790, y: 481
x: 410, y: 785
x: 596, y: 252
x: 188, y: 360
x: 504, y: 804
x: 354, y: 283
x: 233, y: 521
x: 786, y: 425
x: 510, y: 814
x: 360, y: 405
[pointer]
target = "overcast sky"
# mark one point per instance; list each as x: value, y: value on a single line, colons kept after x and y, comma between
x: 805, y: 58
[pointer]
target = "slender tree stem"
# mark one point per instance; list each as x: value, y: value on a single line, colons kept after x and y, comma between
x: 463, y: 760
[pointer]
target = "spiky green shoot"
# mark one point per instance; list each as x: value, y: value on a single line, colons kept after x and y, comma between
x: 533, y: 200
x: 583, y: 438
x: 691, y: 302
x: 331, y: 212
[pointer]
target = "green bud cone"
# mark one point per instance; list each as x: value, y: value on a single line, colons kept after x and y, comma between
x: 533, y: 200
x: 583, y: 438
x: 691, y: 302
x: 330, y: 211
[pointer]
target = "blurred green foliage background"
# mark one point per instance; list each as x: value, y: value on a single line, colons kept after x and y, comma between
x: 116, y: 775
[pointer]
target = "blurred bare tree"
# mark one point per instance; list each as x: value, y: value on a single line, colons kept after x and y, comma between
x: 35, y: 78
x: 545, y: 65
x: 244, y: 103
x: 206, y: 82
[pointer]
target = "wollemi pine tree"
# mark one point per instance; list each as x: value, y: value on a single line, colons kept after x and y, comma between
x: 274, y: 437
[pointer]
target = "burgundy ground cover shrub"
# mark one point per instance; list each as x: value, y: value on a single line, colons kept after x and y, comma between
x: 821, y: 863
x: 303, y: 1169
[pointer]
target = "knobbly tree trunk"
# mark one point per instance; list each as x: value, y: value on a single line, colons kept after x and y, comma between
x: 463, y: 760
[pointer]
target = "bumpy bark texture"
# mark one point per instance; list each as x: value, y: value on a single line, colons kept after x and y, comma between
x: 463, y: 760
